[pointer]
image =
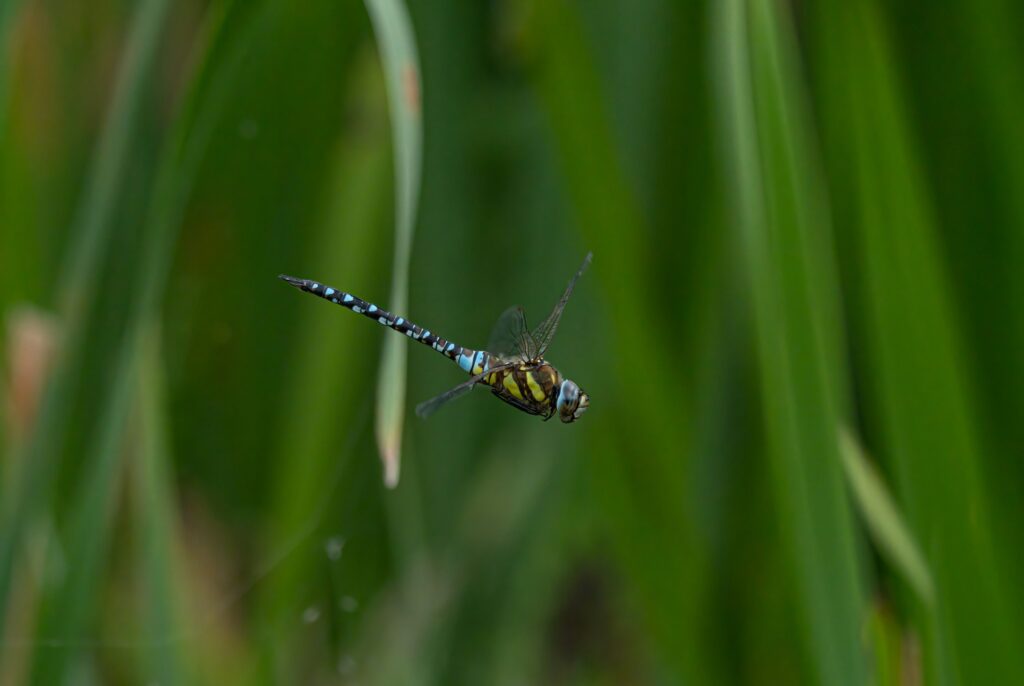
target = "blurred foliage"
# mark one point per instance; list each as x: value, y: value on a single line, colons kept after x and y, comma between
x: 802, y: 335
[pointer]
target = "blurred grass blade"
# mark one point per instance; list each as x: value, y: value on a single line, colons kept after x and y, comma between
x: 93, y: 230
x: 397, y: 46
x: 645, y: 500
x: 105, y: 178
x: 158, y: 564
x: 784, y: 238
x: 896, y: 660
x: 221, y: 48
x: 8, y: 11
x: 66, y: 609
x: 322, y: 387
x: 883, y: 519
x: 20, y: 263
x: 996, y: 84
x: 920, y: 396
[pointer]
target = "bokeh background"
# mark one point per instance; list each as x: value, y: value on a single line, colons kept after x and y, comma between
x: 803, y: 333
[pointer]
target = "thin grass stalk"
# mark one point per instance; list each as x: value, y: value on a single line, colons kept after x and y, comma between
x: 884, y: 521
x: 159, y: 566
x: 397, y: 45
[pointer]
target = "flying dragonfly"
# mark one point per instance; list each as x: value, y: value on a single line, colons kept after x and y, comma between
x: 513, y: 366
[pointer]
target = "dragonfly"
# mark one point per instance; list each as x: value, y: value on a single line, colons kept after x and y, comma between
x: 513, y: 366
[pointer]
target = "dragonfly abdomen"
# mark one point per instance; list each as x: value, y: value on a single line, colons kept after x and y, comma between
x: 458, y: 354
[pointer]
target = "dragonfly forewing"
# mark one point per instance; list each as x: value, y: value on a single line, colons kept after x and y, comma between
x: 545, y: 332
x: 511, y: 337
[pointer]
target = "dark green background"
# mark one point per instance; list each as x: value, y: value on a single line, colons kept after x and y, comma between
x: 807, y: 219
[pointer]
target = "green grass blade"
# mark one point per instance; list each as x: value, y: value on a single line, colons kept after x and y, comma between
x: 93, y: 231
x: 106, y: 177
x: 324, y: 387
x: 67, y: 609
x: 397, y: 46
x: 994, y: 81
x: 645, y: 498
x: 883, y: 519
x: 8, y: 11
x: 920, y: 397
x: 891, y: 648
x: 221, y: 49
x: 20, y: 263
x: 783, y: 235
x: 158, y: 564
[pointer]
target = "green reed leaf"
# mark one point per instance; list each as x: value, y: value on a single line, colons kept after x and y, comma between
x: 93, y: 231
x: 8, y: 12
x: 67, y: 608
x: 325, y: 387
x: 645, y: 489
x: 157, y: 537
x: 397, y: 46
x: 784, y: 238
x: 883, y: 518
x: 920, y: 395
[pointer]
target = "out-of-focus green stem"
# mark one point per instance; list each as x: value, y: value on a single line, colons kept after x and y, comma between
x: 93, y: 230
x: 397, y: 45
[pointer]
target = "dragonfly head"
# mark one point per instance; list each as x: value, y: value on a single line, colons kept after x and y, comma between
x: 572, y: 401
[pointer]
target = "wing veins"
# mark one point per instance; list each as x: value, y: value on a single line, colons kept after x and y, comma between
x: 429, y: 407
x: 511, y: 335
x: 545, y: 333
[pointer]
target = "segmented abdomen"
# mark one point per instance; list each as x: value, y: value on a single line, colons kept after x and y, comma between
x: 467, y: 359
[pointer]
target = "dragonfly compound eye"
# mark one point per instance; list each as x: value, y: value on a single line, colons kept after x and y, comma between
x: 568, y: 401
x: 583, y: 405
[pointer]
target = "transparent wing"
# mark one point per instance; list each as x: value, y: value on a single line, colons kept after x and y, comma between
x: 511, y: 337
x: 429, y: 407
x: 545, y: 332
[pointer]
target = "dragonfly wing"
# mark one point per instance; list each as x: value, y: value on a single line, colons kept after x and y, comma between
x: 545, y: 332
x: 511, y: 337
x: 429, y: 407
